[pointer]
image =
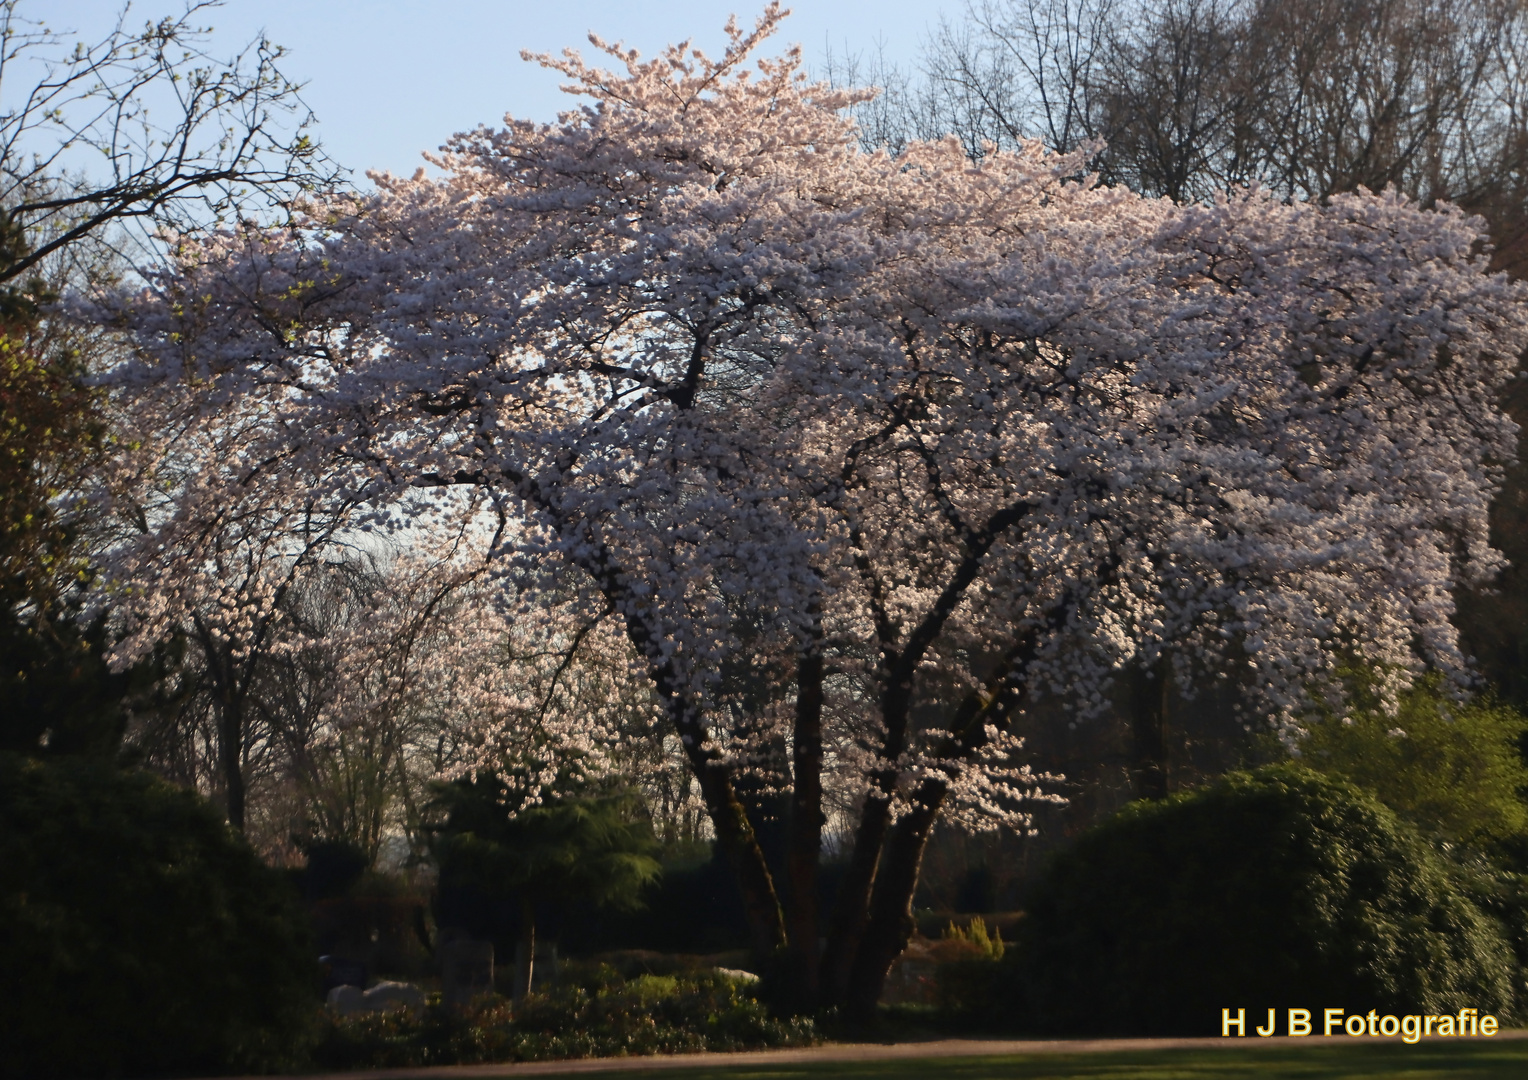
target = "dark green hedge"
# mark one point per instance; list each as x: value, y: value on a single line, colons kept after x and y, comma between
x: 1278, y: 888
x: 138, y: 934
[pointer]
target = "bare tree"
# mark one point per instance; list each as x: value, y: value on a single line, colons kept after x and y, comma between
x: 1306, y: 97
x: 1167, y: 101
x: 142, y: 126
x: 1377, y: 92
x: 1021, y: 70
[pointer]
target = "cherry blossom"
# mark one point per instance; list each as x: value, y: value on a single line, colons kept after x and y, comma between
x: 859, y: 453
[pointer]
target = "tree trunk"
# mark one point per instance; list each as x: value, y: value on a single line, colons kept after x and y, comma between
x: 1147, y: 694
x: 852, y: 912
x: 761, y: 904
x: 890, y: 922
x: 885, y: 921
x: 804, y: 841
x: 525, y: 949
x: 852, y: 909
x: 231, y: 760
x: 735, y: 833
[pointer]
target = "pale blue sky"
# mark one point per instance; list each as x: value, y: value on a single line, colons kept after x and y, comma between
x: 389, y: 78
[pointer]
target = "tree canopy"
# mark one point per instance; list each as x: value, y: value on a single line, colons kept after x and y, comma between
x: 921, y: 439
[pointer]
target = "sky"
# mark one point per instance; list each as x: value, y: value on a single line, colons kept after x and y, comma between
x: 388, y: 79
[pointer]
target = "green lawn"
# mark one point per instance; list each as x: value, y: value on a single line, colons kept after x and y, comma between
x: 1485, y: 1060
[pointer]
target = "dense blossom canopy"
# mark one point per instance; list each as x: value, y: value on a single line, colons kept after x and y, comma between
x: 909, y: 437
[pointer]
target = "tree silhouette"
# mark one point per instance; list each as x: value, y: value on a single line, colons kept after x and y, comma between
x: 592, y: 849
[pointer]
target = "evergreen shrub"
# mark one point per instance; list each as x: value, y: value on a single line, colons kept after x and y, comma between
x: 139, y: 934
x: 1274, y: 889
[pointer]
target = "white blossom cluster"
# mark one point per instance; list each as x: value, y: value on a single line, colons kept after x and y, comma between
x: 961, y: 433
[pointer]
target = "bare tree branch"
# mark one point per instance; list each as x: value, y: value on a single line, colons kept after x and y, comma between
x: 144, y: 126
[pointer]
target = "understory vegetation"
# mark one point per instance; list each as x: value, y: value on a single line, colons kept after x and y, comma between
x: 597, y: 1014
x: 1277, y: 889
x: 139, y: 935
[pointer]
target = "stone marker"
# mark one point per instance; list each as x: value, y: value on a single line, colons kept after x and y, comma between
x: 394, y: 995
x: 348, y: 1000
x: 737, y: 975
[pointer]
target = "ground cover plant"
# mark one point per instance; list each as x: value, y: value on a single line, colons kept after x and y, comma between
x: 598, y: 1015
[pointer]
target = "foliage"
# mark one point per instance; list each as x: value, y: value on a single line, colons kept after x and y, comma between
x: 965, y: 987
x: 596, y: 850
x: 102, y: 143
x: 333, y: 868
x: 1270, y: 889
x: 60, y: 695
x: 591, y: 848
x: 140, y: 935
x: 1454, y: 769
x: 860, y: 454
x: 603, y: 1016
x: 50, y: 428
x: 695, y: 908
x: 974, y: 934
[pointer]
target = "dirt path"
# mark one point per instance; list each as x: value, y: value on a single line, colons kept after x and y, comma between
x: 943, y: 1048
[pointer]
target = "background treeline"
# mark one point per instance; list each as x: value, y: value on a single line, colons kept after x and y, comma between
x: 1188, y: 98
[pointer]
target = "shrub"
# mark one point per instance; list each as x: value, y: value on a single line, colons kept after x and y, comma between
x: 965, y: 982
x: 334, y: 868
x: 1453, y: 769
x: 1278, y: 888
x: 601, y: 1016
x: 139, y: 934
x: 980, y: 943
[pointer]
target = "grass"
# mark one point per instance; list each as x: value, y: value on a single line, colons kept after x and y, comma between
x: 1468, y: 1061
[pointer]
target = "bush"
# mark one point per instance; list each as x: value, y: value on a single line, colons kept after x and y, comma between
x: 964, y: 983
x: 1279, y: 888
x: 602, y: 1015
x: 138, y: 934
x: 1452, y: 769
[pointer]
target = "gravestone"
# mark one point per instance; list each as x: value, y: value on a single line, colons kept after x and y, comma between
x: 466, y: 970
x: 393, y: 995
x: 347, y: 999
